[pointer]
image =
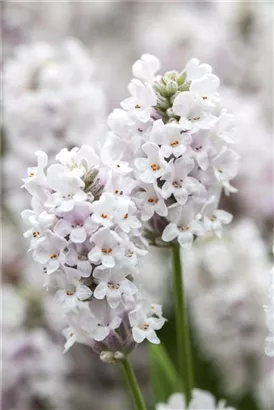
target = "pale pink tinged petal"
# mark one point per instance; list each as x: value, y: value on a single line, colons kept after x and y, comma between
x: 150, y: 149
x: 185, y: 239
x: 41, y: 256
x: 127, y: 103
x: 54, y: 174
x: 67, y: 205
x: 57, y: 241
x: 107, y: 222
x: 62, y: 228
x: 90, y: 226
x: 114, y: 298
x: 197, y: 228
x: 192, y: 184
x: 100, y: 290
x: 139, y: 335
x: 99, y: 236
x: 101, y: 333
x: 42, y: 159
x: 73, y: 275
x: 95, y: 254
x: 131, y: 286
x: 156, y: 323
x: 143, y: 115
x: 115, y: 322
x: 78, y: 235
x: 181, y: 196
x: 152, y: 337
x: 135, y: 223
x: 167, y: 190
x: 202, y: 160
x: 147, y: 213
x: 26, y: 214
x: 83, y: 292
x: 52, y: 266
x: 161, y: 208
x: 60, y: 296
x: 80, y: 196
x: 28, y: 234
x: 108, y: 261
x: 223, y: 216
x: 85, y: 268
x: 141, y: 164
x: 166, y: 150
x: 182, y: 104
x: 178, y: 151
x: 87, y: 153
x: 69, y: 302
x: 148, y: 177
x: 170, y: 232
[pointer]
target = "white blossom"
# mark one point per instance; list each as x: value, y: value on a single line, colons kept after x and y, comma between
x: 144, y: 324
x: 201, y: 399
x: 183, y: 226
x: 113, y: 284
x: 85, y: 232
x: 141, y: 100
x: 180, y: 147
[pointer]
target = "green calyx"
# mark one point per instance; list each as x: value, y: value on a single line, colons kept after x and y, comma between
x: 167, y: 88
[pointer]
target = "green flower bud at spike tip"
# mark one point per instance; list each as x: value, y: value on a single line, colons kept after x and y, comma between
x: 160, y: 89
x: 181, y: 78
x: 170, y: 113
x: 185, y: 86
x: 171, y: 87
x: 163, y: 103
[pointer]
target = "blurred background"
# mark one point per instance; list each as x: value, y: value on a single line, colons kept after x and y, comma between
x: 65, y: 65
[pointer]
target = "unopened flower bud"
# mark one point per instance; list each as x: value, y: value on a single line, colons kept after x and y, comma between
x: 181, y: 78
x: 107, y: 357
x: 171, y: 87
x: 170, y: 113
x: 119, y: 356
x: 160, y: 89
x: 162, y: 103
x: 185, y: 86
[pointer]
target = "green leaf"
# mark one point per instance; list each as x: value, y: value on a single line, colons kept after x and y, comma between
x: 163, y: 375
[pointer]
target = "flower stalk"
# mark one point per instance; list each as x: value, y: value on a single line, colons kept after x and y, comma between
x: 183, y: 339
x: 133, y: 385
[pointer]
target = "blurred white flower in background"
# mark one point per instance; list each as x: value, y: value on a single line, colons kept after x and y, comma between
x: 200, y: 400
x: 269, y: 309
x: 227, y: 283
x: 255, y: 178
x: 32, y: 362
x: 50, y: 98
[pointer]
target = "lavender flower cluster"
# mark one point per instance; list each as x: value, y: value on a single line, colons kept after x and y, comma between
x: 85, y: 233
x: 175, y: 134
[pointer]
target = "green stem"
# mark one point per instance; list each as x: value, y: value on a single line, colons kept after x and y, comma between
x: 183, y: 340
x: 133, y: 385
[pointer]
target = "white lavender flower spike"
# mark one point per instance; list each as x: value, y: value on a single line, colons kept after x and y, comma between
x: 84, y: 231
x: 173, y: 133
